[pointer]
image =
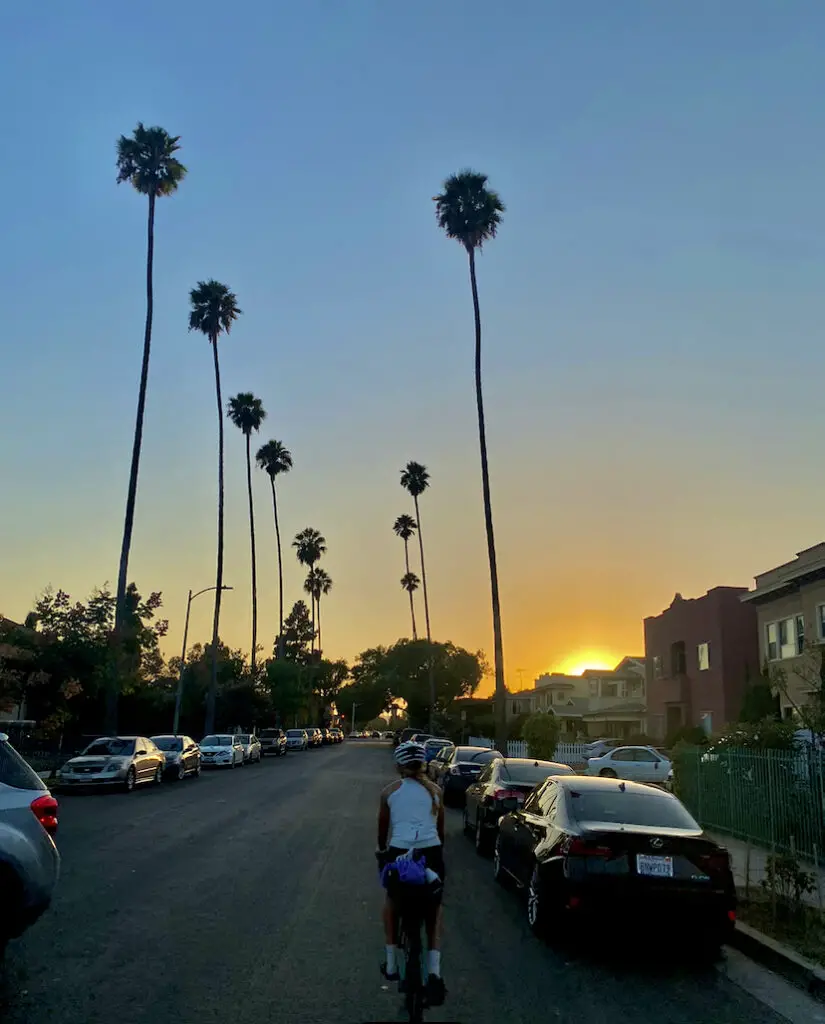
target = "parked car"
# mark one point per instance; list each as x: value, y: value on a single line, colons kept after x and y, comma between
x: 273, y: 741
x: 120, y: 761
x: 459, y: 770
x: 314, y: 736
x: 297, y: 739
x: 221, y: 750
x: 252, y: 750
x: 602, y: 848
x: 337, y: 735
x: 29, y: 861
x: 182, y: 754
x: 432, y: 747
x: 326, y: 737
x: 597, y: 748
x: 501, y: 787
x: 638, y: 764
x: 421, y: 737
x: 438, y: 760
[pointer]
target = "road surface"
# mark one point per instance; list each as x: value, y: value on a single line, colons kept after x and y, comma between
x: 251, y: 895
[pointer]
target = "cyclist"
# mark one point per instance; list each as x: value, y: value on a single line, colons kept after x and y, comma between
x: 411, y: 818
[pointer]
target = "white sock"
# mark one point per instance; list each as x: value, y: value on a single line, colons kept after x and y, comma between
x: 434, y: 962
x: 392, y: 963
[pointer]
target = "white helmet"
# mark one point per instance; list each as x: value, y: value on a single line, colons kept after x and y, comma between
x: 409, y: 753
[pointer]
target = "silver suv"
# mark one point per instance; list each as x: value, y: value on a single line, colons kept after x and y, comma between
x: 29, y: 861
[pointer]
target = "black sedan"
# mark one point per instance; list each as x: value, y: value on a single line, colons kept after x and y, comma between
x: 182, y: 754
x: 615, y: 850
x: 458, y: 770
x: 503, y: 786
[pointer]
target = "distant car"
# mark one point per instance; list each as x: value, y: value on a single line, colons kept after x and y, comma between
x: 29, y: 861
x: 326, y: 737
x: 462, y: 767
x: 596, y: 748
x: 432, y: 747
x: 120, y: 761
x: 637, y: 764
x: 501, y: 787
x: 273, y: 741
x: 183, y: 755
x: 252, y: 750
x: 602, y: 848
x: 438, y: 760
x: 297, y: 739
x: 421, y: 737
x: 221, y: 750
x: 337, y: 735
x: 354, y: 735
x: 314, y: 736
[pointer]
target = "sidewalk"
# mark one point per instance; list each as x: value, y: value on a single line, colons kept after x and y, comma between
x: 749, y: 865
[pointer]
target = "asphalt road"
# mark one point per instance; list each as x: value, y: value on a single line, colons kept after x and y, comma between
x: 251, y: 895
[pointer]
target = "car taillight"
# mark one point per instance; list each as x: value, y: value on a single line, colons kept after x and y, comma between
x: 45, y: 810
x: 715, y: 862
x: 584, y: 848
x: 506, y: 794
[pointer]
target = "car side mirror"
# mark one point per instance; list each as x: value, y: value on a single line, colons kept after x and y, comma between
x: 141, y: 753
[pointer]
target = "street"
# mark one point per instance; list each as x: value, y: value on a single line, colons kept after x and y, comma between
x: 251, y: 895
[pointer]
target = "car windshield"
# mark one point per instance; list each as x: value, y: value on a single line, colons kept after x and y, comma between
x: 216, y: 741
x: 295, y: 733
x: 111, y: 746
x: 630, y: 807
x: 168, y: 742
x: 244, y: 738
x: 529, y: 773
x: 475, y: 755
x: 436, y: 744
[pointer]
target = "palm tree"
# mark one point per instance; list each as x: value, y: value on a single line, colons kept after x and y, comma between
x: 147, y: 161
x: 214, y: 310
x: 409, y: 581
x: 247, y: 413
x: 274, y: 459
x: 309, y: 545
x: 404, y: 527
x: 416, y: 480
x: 318, y: 582
x: 470, y: 212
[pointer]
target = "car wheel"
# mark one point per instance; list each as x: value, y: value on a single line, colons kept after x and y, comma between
x: 608, y: 773
x: 481, y: 837
x: 131, y: 778
x: 499, y: 874
x: 537, y: 916
x: 181, y: 775
x: 158, y: 779
x: 198, y: 770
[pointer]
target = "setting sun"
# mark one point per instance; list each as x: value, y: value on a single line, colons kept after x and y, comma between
x: 575, y: 664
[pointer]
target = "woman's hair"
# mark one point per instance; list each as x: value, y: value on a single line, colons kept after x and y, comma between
x: 415, y: 771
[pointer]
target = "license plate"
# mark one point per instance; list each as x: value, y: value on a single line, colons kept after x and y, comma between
x: 654, y: 867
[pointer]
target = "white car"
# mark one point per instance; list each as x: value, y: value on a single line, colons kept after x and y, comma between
x: 297, y: 739
x: 221, y: 750
x: 636, y: 764
x: 251, y: 747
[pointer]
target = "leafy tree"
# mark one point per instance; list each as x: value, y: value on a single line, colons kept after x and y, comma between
x: 404, y: 527
x: 309, y: 545
x: 214, y: 309
x: 296, y: 640
x: 247, y: 413
x: 761, y: 700
x: 289, y: 690
x: 415, y: 479
x: 541, y: 731
x: 275, y: 459
x: 147, y: 161
x: 470, y: 212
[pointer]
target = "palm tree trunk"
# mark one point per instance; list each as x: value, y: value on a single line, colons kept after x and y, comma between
x: 312, y: 608
x: 430, y: 673
x: 412, y: 604
x: 110, y: 724
x: 320, y: 649
x: 216, y: 621
x: 254, y: 562
x: 280, y: 575
x: 498, y: 648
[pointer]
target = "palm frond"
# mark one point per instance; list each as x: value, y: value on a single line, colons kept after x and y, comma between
x: 147, y: 160
x: 246, y: 412
x: 309, y: 545
x: 409, y: 582
x: 214, y: 309
x: 467, y: 210
x: 415, y: 478
x: 274, y: 458
x: 404, y: 527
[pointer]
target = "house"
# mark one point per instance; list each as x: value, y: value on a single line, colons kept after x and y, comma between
x: 699, y: 654
x: 789, y: 604
x: 617, y: 704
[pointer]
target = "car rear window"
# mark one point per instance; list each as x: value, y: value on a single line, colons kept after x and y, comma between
x: 16, y: 772
x: 629, y: 807
x: 475, y: 755
x: 530, y: 774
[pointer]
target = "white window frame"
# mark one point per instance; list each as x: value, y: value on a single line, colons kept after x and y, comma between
x: 820, y: 621
x: 789, y: 627
x: 703, y: 656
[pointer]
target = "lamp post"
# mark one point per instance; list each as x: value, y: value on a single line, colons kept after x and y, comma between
x: 179, y: 696
x: 354, y: 706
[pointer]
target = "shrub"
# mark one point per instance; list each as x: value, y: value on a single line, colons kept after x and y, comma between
x: 541, y: 732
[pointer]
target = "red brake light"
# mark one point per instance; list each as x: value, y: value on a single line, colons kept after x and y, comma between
x: 715, y: 862
x: 583, y: 848
x: 506, y: 794
x: 45, y: 810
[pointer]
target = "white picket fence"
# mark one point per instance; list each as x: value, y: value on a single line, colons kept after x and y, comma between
x: 566, y: 753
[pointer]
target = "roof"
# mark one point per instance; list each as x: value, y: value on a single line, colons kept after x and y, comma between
x: 635, y: 707
x: 807, y: 564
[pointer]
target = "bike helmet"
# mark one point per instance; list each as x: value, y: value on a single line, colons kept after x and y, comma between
x: 409, y: 753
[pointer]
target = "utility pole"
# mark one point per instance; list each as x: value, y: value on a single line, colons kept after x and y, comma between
x: 179, y: 695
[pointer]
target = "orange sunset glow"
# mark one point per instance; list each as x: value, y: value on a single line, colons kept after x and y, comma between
x: 575, y: 664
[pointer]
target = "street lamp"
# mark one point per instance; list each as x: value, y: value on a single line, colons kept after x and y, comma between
x: 179, y: 696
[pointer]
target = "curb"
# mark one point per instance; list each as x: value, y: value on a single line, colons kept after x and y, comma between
x: 780, y: 959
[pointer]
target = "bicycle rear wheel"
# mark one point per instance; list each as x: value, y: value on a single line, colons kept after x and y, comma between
x: 410, y: 941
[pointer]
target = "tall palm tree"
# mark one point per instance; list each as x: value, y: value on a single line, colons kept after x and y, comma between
x: 214, y: 308
x: 416, y: 480
x: 404, y: 527
x: 247, y: 413
x: 409, y: 581
x: 470, y: 212
x: 274, y: 459
x: 147, y: 161
x: 318, y: 583
x: 309, y: 545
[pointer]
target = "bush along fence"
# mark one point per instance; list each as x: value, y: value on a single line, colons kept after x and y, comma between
x: 566, y: 753
x: 770, y: 798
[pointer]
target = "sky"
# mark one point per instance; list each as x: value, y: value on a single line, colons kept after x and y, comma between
x: 652, y: 306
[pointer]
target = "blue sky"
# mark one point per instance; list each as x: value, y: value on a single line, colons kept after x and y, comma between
x: 652, y: 307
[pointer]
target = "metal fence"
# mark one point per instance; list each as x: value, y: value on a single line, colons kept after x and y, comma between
x: 566, y: 753
x: 771, y: 798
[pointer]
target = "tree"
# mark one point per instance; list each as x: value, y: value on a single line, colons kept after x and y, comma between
x: 318, y: 583
x: 297, y: 636
x: 275, y: 459
x: 404, y: 527
x: 214, y: 310
x: 289, y: 691
x: 309, y: 545
x: 247, y: 413
x: 541, y: 731
x: 470, y: 212
x: 415, y: 479
x: 760, y: 700
x: 147, y: 161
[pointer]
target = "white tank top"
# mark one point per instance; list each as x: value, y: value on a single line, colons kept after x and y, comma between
x: 413, y: 825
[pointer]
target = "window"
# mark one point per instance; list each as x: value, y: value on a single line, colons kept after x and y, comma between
x: 630, y: 807
x: 773, y: 643
x: 645, y: 755
x: 703, y: 657
x: 594, y: 685
x: 785, y: 638
x: 820, y: 619
x: 487, y: 774
x: 547, y: 800
x: 800, y: 634
x: 678, y: 658
x: 609, y: 689
x: 657, y: 665
x: 623, y: 754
